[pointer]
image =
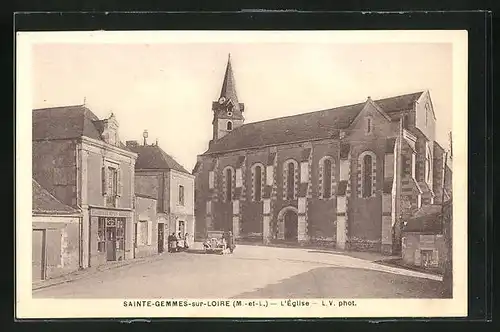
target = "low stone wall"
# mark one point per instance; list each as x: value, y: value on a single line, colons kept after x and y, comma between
x: 363, y: 245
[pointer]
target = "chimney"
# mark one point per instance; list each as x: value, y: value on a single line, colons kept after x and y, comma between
x: 132, y: 143
x: 145, y: 136
x: 156, y: 143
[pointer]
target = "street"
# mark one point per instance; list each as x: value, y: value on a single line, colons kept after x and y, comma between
x: 251, y: 272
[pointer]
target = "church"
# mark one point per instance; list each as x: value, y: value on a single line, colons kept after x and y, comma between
x: 339, y: 177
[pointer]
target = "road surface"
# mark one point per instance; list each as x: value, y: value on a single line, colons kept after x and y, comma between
x: 251, y: 272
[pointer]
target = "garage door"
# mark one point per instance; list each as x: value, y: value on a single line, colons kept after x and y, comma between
x: 38, y: 255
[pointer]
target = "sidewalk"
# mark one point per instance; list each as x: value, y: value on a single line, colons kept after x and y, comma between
x: 85, y: 273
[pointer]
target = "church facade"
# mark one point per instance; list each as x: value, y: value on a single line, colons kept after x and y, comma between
x: 332, y: 177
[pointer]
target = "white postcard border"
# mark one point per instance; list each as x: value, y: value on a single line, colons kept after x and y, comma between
x: 27, y: 307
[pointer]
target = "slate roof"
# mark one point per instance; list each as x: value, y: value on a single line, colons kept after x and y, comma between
x: 303, y: 127
x: 66, y: 122
x: 153, y: 157
x: 399, y: 103
x: 426, y: 220
x: 228, y: 89
x: 44, y: 202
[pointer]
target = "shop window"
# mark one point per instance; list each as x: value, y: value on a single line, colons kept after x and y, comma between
x: 120, y: 233
x: 101, y: 235
x: 426, y: 257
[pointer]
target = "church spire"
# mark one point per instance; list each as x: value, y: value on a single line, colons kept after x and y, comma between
x: 228, y: 90
x: 228, y: 111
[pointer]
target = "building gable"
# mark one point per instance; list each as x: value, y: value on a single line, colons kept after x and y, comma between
x: 370, y: 122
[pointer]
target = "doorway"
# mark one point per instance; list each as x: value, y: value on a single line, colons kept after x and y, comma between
x: 38, y: 254
x: 182, y: 228
x: 111, y: 243
x: 291, y: 225
x: 161, y: 237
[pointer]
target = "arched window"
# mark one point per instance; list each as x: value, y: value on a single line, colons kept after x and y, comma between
x: 427, y: 163
x: 229, y: 125
x: 228, y: 185
x: 367, y: 176
x: 327, y: 178
x: 367, y: 163
x: 258, y: 184
x: 290, y: 181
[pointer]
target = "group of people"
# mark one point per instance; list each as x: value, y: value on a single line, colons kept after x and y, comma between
x: 177, y: 242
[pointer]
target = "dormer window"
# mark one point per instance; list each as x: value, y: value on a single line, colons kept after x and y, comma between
x: 110, y: 130
x: 229, y: 125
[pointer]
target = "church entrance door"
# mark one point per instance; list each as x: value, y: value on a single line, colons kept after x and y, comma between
x: 291, y: 225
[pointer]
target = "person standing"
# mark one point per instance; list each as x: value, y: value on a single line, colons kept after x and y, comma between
x: 186, y: 241
x: 172, y: 242
x: 230, y: 242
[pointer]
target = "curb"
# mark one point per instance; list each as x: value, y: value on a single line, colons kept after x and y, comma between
x: 87, y: 273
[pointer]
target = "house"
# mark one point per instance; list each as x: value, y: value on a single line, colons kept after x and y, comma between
x: 158, y: 175
x: 423, y: 240
x: 149, y: 239
x: 332, y: 177
x: 80, y: 160
x: 55, y: 235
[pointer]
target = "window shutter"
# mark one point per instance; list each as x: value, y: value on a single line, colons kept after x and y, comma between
x: 104, y: 181
x: 150, y: 232
x: 119, y: 182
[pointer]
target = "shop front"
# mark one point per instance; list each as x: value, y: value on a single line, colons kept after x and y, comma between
x: 109, y: 235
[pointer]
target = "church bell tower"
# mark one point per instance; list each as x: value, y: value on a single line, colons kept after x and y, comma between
x: 228, y: 112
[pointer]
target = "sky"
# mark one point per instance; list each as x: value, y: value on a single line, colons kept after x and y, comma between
x: 168, y: 88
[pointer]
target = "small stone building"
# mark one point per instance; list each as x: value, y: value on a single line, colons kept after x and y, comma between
x: 80, y: 160
x: 158, y: 175
x: 423, y: 243
x: 55, y: 236
x: 149, y: 240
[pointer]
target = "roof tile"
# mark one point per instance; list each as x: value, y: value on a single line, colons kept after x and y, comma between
x: 303, y: 127
x: 153, y: 157
x: 44, y: 202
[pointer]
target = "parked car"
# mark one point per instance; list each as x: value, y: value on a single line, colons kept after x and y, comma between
x: 215, y: 243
